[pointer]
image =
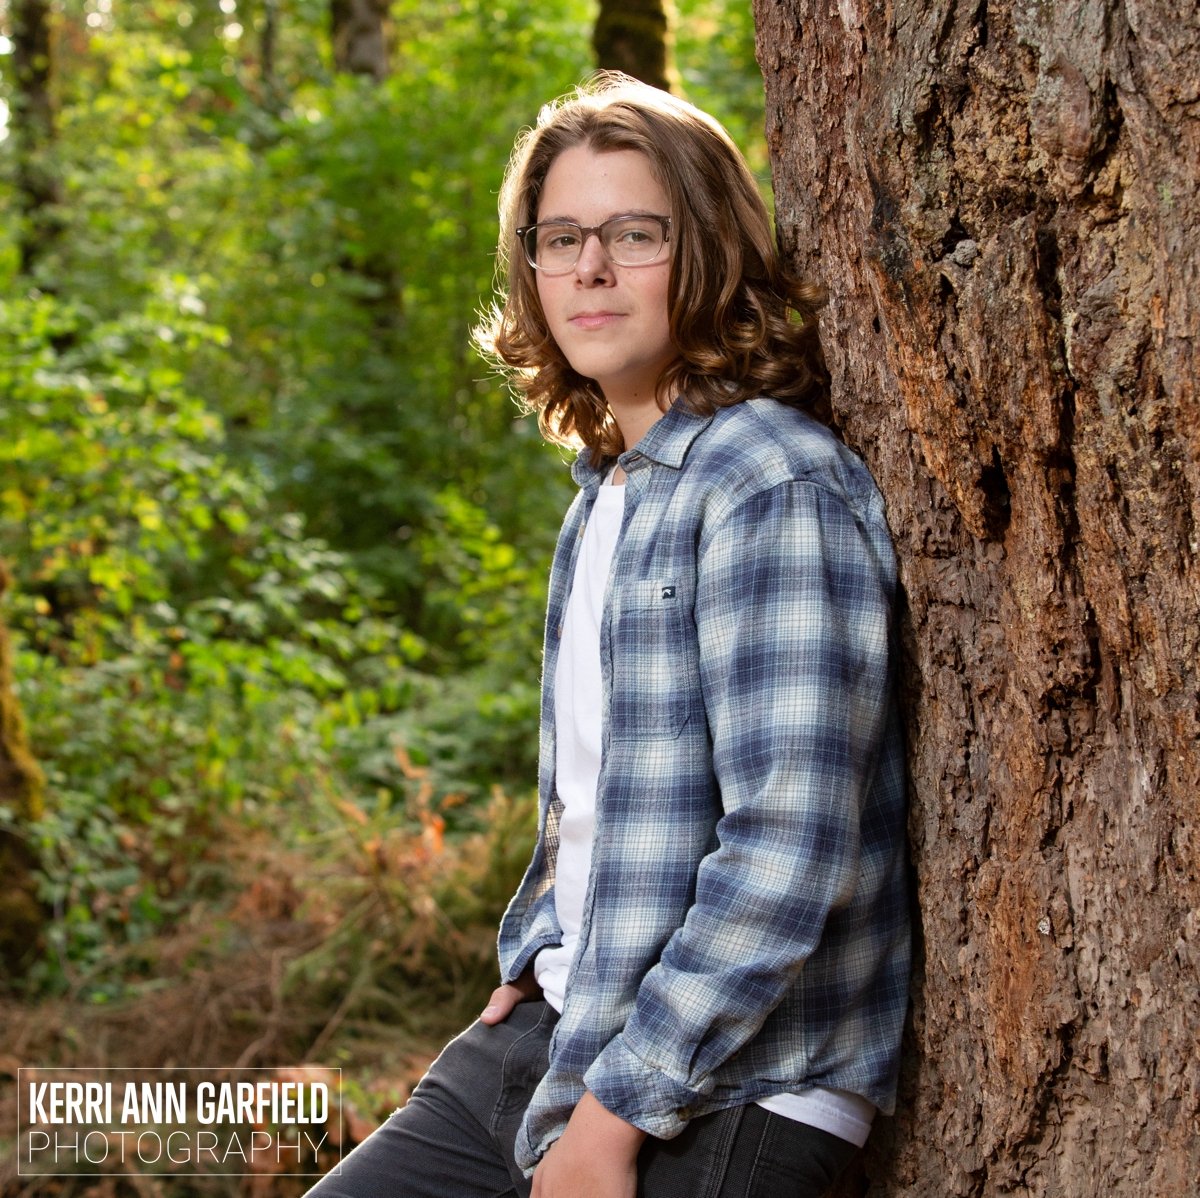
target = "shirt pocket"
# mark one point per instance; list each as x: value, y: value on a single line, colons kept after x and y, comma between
x: 655, y: 679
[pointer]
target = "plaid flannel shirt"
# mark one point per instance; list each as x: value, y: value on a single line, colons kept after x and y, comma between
x: 746, y: 926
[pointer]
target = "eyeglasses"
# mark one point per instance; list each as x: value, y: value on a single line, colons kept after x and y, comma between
x: 553, y: 247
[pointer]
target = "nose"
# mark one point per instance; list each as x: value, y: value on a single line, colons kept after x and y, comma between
x: 593, y: 264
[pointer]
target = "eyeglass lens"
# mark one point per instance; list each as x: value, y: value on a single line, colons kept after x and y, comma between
x: 627, y: 240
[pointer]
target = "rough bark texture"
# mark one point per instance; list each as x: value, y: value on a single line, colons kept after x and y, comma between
x: 359, y: 36
x: 1002, y: 200
x: 20, y: 794
x: 634, y: 36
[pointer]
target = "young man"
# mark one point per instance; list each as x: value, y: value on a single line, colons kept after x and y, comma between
x: 705, y: 968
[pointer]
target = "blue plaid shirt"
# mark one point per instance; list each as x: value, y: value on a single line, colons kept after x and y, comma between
x: 745, y: 931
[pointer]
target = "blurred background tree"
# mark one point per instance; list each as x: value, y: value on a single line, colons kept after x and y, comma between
x: 635, y: 36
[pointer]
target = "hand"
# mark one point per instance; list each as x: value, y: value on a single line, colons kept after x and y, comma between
x: 596, y: 1157
x: 504, y: 998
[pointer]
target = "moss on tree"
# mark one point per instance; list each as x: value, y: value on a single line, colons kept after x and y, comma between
x: 21, y: 916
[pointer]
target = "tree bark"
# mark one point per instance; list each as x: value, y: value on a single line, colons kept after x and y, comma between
x: 21, y: 915
x: 360, y: 37
x: 1002, y: 200
x: 634, y: 36
x: 39, y: 188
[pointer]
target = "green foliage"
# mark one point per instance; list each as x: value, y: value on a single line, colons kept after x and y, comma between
x: 714, y: 46
x: 341, y: 231
x: 111, y: 472
x: 218, y: 655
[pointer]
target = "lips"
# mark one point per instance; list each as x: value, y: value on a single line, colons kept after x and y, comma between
x: 593, y: 320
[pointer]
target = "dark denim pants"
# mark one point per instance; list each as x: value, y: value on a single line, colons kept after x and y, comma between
x: 454, y: 1138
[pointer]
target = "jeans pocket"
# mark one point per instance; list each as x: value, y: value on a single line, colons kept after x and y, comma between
x: 525, y: 1061
x: 794, y: 1159
x: 694, y: 1164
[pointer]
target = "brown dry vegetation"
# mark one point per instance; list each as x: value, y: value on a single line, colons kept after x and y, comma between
x: 368, y: 961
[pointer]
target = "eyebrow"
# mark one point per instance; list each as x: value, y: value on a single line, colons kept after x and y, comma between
x: 570, y: 220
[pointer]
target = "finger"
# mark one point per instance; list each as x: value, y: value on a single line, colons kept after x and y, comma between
x: 500, y: 1005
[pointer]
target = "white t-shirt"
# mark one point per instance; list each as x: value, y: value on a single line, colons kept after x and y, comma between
x: 578, y: 724
x: 577, y: 734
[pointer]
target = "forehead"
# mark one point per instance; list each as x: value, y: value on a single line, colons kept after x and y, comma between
x: 589, y: 186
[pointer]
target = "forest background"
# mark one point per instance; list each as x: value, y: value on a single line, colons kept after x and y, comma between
x: 278, y: 538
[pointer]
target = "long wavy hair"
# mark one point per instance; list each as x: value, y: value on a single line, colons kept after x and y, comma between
x: 743, y: 325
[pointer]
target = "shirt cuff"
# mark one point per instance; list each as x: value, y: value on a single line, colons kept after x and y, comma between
x: 639, y: 1093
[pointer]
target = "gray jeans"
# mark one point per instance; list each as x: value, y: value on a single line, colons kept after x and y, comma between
x: 454, y: 1138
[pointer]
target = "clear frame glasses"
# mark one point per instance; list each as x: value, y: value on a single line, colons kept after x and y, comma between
x: 553, y: 247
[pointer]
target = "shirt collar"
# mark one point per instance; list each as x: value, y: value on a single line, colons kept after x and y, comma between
x: 666, y: 442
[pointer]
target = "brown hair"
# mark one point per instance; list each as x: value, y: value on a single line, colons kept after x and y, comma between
x: 731, y: 299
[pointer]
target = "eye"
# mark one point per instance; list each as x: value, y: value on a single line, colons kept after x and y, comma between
x: 636, y: 232
x: 559, y: 238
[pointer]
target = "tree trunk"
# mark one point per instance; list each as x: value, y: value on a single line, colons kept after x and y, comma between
x: 360, y: 47
x: 21, y: 796
x: 267, y: 41
x: 634, y: 36
x: 1002, y: 200
x: 39, y: 190
x: 359, y: 36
